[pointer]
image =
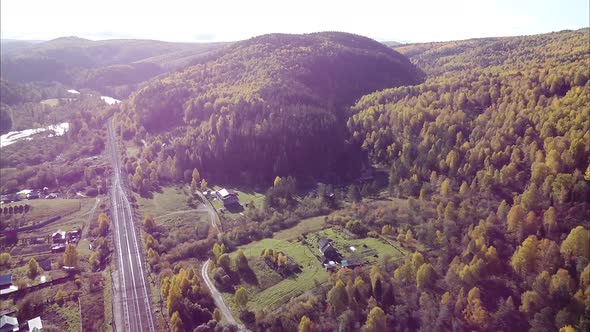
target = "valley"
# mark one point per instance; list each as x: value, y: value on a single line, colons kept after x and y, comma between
x: 297, y: 182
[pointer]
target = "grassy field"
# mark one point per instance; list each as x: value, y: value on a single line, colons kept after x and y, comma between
x: 41, y: 210
x: 169, y: 200
x: 50, y: 102
x: 107, y: 300
x: 74, y: 214
x: 172, y: 208
x: 74, y: 220
x: 272, y: 289
x: 304, y: 226
x: 67, y: 314
x: 54, y: 101
x: 368, y: 248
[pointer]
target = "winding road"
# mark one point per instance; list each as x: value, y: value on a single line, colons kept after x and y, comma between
x: 132, y: 301
x: 215, y: 294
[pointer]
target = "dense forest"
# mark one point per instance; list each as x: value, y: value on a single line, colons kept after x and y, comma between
x: 493, y: 151
x: 272, y: 105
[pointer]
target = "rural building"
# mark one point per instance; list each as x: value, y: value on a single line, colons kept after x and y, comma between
x: 5, y: 281
x: 9, y: 198
x: 33, y: 195
x: 51, y: 196
x: 59, y: 236
x: 328, y: 264
x: 352, y: 262
x: 73, y: 236
x: 58, y: 247
x: 327, y: 249
x: 8, y: 323
x: 35, y: 324
x: 227, y: 197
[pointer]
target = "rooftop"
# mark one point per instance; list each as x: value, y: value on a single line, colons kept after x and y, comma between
x: 35, y: 324
x: 6, y: 321
x: 6, y: 279
x: 59, y: 232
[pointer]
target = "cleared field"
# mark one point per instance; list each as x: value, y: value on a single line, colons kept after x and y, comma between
x: 50, y: 102
x: 174, y: 208
x: 74, y: 213
x: 368, y: 248
x: 272, y: 290
x: 42, y: 209
x: 280, y: 290
x: 171, y: 199
x: 304, y: 226
x: 72, y: 221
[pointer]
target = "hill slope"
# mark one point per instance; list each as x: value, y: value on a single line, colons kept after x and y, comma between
x: 496, y: 143
x: 274, y: 104
x: 99, y: 65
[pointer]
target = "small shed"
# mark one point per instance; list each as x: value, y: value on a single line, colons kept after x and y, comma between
x: 5, y: 281
x: 73, y: 236
x: 8, y: 323
x: 35, y: 324
x: 59, y: 247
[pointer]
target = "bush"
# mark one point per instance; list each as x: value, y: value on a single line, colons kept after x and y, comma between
x: 5, y: 259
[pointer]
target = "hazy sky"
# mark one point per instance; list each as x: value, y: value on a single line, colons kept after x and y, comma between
x: 223, y: 20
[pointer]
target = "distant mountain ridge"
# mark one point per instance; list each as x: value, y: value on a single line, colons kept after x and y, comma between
x: 102, y: 65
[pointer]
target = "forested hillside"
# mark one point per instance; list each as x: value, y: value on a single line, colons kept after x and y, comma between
x: 113, y: 67
x: 496, y: 142
x: 272, y: 105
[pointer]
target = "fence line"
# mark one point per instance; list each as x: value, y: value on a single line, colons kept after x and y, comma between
x: 23, y: 291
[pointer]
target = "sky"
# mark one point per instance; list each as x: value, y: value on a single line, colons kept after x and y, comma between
x: 225, y: 20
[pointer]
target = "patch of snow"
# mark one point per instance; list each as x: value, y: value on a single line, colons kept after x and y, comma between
x: 74, y: 91
x: 24, y: 192
x: 110, y: 100
x: 15, y: 136
x: 352, y: 248
x: 43, y: 279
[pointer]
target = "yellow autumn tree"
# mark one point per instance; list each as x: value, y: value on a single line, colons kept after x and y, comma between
x: 304, y: 324
x: 474, y: 313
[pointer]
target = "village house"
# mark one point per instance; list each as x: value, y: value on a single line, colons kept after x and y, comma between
x: 59, y: 236
x: 8, y: 324
x: 227, y: 197
x: 330, y: 255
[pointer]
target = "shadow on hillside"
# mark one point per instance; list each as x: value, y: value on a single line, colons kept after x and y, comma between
x: 249, y: 276
x: 234, y: 208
